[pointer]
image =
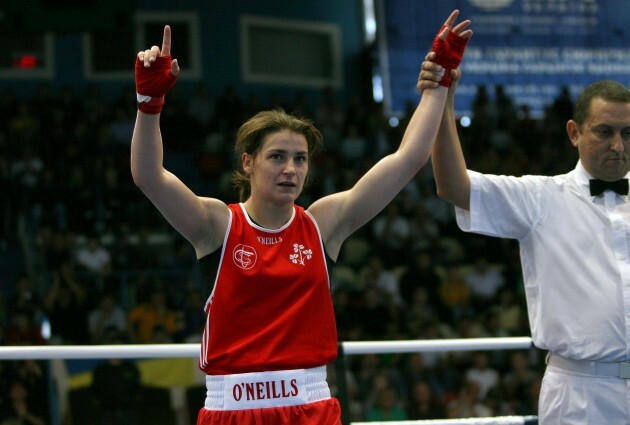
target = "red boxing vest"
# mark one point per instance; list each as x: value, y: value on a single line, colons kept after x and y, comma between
x: 271, y: 307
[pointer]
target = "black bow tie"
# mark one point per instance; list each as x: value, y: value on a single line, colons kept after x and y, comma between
x: 599, y: 186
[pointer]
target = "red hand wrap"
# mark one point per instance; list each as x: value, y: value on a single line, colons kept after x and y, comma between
x: 153, y: 83
x: 449, y: 53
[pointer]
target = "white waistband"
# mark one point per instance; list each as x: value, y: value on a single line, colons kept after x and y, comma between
x: 590, y: 367
x: 259, y: 390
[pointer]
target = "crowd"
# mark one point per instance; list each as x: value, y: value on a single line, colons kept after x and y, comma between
x: 101, y: 264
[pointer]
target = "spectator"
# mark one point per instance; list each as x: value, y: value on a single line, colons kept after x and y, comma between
x: 391, y: 232
x: 116, y: 388
x: 510, y: 313
x: 26, y: 172
x: 25, y: 299
x: 329, y: 114
x: 519, y: 378
x: 229, y: 110
x: 106, y: 317
x: 467, y: 404
x: 376, y: 275
x: 379, y: 316
x: 94, y: 259
x: 484, y: 282
x: 201, y: 106
x: 526, y: 133
x: 22, y: 409
x: 153, y: 317
x: 193, y: 318
x: 482, y: 374
x: 23, y: 330
x: 353, y: 148
x: 423, y: 404
x: 422, y: 368
x: 420, y: 311
x: 421, y: 272
x: 562, y: 105
x: 454, y: 292
x: 6, y: 188
x: 144, y: 254
x: 56, y: 248
x: 386, y: 408
x: 121, y: 250
x: 65, y: 306
x: 424, y: 232
x: 33, y: 375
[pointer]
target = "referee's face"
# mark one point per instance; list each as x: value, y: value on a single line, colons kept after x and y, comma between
x: 603, y: 140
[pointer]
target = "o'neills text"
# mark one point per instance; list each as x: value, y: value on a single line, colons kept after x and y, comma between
x: 265, y: 390
x: 269, y: 240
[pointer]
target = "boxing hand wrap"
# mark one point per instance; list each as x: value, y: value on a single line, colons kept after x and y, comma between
x: 449, y: 53
x: 153, y: 83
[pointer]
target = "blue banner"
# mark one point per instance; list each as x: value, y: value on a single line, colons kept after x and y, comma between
x: 533, y: 48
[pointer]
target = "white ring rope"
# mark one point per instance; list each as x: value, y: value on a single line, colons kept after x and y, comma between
x: 41, y: 352
x: 192, y: 350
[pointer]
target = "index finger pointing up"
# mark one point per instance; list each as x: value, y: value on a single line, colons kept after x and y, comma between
x: 166, y: 42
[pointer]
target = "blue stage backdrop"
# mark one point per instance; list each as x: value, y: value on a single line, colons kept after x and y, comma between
x: 531, y: 47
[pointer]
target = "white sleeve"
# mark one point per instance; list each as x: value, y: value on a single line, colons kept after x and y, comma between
x: 501, y: 206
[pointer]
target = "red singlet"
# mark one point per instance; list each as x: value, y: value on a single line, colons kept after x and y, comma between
x: 271, y: 307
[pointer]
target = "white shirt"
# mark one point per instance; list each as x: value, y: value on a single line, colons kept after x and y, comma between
x: 575, y: 257
x: 93, y: 260
x: 484, y: 284
x: 486, y: 379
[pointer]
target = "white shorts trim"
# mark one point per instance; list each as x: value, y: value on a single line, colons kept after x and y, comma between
x: 259, y: 390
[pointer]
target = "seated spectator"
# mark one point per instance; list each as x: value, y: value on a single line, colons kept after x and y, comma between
x: 424, y: 232
x: 57, y: 249
x: 378, y: 316
x: 23, y: 330
x: 22, y: 407
x: 116, y: 388
x: 484, y: 282
x: 353, y: 147
x: 519, y: 378
x: 144, y: 254
x: 391, y: 232
x: 152, y: 317
x: 65, y: 306
x: 25, y: 298
x: 454, y: 293
x: 420, y: 313
x: 421, y: 272
x: 510, y: 313
x: 482, y: 374
x: 422, y: 367
x: 94, y: 259
x: 26, y: 171
x: 467, y: 404
x: 386, y: 407
x: 376, y: 275
x: 34, y: 376
x: 423, y: 404
x: 193, y: 318
x: 107, y: 316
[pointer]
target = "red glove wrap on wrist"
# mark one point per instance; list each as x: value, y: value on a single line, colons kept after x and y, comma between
x: 449, y: 54
x: 153, y: 83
